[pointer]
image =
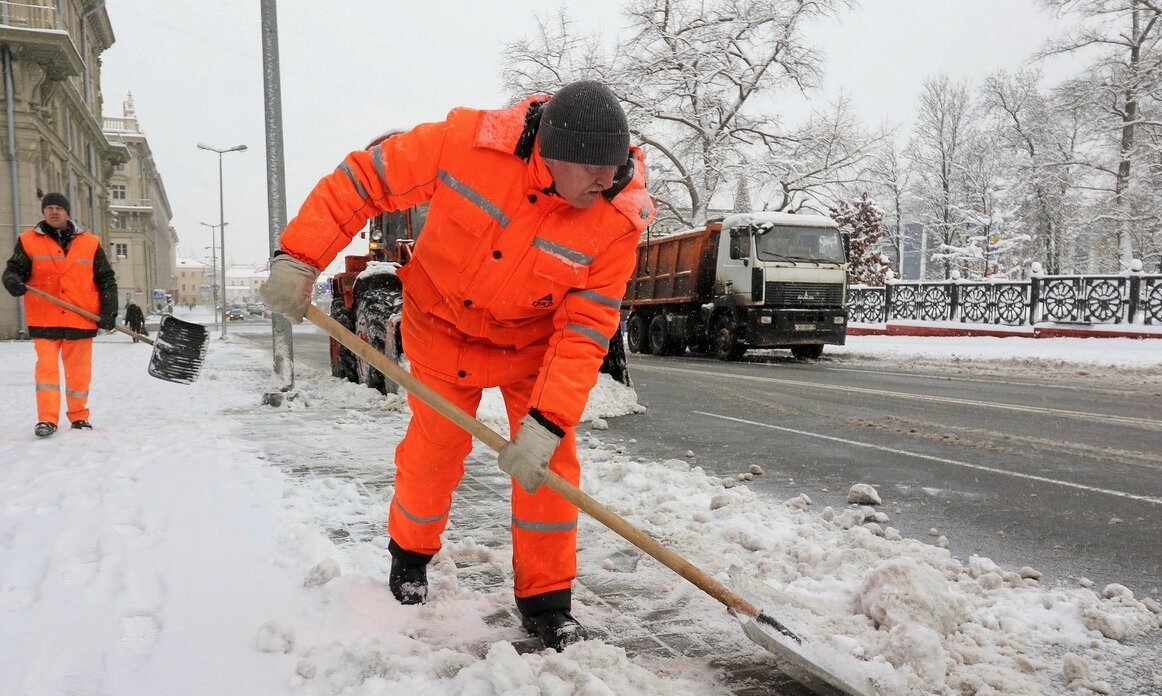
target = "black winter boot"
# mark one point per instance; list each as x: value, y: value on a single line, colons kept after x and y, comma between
x: 556, y: 628
x: 409, y: 575
x: 44, y: 429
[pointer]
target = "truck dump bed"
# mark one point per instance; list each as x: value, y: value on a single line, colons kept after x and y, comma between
x: 677, y: 268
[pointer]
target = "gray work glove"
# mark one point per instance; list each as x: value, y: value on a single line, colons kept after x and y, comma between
x: 289, y: 287
x: 526, y: 458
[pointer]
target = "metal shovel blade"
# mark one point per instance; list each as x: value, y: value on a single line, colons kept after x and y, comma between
x: 801, y: 658
x: 179, y: 351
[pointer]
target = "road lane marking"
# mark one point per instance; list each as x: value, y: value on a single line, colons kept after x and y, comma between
x: 1081, y: 415
x: 942, y: 460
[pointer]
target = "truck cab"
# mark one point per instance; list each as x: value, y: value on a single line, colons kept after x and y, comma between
x: 782, y: 278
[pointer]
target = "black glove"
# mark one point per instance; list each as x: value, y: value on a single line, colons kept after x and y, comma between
x: 108, y: 322
x: 14, y: 286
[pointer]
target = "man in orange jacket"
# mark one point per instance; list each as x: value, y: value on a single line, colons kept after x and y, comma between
x: 516, y: 282
x: 69, y: 263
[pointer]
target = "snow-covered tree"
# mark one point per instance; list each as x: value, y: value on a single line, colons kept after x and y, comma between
x: 819, y: 164
x: 1026, y: 123
x: 700, y: 79
x: 890, y: 179
x: 1122, y: 88
x: 742, y: 202
x: 937, y: 152
x: 862, y: 222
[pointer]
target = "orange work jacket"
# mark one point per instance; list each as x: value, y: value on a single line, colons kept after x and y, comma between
x: 514, y: 279
x: 67, y: 276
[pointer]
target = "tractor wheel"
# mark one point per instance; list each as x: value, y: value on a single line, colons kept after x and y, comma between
x: 343, y: 361
x: 377, y: 301
x: 614, y: 363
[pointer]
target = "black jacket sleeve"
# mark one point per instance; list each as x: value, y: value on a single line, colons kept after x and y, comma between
x: 19, y: 267
x: 106, y: 279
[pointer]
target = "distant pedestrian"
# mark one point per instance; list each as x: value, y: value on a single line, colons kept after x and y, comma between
x: 61, y: 260
x: 135, y: 319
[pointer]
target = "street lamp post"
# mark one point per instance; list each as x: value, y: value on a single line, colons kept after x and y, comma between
x: 213, y: 272
x: 222, y: 220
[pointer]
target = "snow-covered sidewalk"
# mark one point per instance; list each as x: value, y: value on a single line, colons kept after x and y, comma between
x: 196, y: 542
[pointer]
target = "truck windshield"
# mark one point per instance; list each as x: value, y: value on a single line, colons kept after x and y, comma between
x: 775, y: 243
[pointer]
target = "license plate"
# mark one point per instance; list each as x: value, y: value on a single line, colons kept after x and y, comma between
x: 804, y: 327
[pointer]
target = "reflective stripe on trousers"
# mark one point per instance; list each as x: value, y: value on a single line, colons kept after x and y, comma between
x: 430, y: 463
x: 77, y: 356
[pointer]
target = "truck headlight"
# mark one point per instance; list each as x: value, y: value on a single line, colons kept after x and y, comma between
x: 838, y: 320
x: 765, y: 319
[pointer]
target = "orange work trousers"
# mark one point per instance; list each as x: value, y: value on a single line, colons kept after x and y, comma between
x: 430, y: 463
x: 77, y: 355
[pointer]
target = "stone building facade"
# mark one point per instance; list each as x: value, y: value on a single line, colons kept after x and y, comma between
x: 140, y: 241
x: 50, y: 53
x: 51, y: 121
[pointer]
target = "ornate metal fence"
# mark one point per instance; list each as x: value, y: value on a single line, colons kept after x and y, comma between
x: 1107, y: 299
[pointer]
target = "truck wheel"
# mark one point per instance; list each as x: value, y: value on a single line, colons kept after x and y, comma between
x: 636, y: 335
x: 726, y: 344
x: 658, y: 340
x: 343, y: 361
x: 807, y: 352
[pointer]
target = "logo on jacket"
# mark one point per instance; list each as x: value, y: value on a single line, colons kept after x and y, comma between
x: 546, y: 301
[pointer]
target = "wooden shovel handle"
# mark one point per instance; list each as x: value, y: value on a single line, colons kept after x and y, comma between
x: 562, y: 487
x: 84, y: 312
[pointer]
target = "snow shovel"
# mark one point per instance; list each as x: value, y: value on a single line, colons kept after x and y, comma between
x: 178, y: 352
x: 762, y: 628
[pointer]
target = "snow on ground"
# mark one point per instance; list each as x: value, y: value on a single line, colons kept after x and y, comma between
x: 188, y: 545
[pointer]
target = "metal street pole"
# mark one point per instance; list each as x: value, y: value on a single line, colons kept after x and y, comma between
x: 281, y: 334
x: 222, y: 220
x: 213, y: 271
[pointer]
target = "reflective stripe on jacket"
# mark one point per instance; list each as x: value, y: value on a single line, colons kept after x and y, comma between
x: 499, y: 260
x: 68, y: 276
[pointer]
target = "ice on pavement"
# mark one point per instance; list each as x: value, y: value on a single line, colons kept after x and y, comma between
x: 197, y: 542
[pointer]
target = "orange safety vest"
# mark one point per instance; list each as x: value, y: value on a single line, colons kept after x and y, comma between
x: 67, y: 276
x: 506, y: 280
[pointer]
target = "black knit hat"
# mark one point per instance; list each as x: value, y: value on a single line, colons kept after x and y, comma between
x: 584, y: 123
x: 55, y: 199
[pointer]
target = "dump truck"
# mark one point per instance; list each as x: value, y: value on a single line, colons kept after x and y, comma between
x: 752, y: 280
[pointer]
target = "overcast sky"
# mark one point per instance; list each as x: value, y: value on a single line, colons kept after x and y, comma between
x: 352, y: 69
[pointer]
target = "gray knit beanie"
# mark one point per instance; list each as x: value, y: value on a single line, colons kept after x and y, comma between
x: 584, y: 123
x: 55, y: 199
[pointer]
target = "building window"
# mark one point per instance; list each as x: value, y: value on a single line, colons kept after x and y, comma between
x: 120, y: 221
x: 119, y: 167
x: 120, y: 250
x: 118, y: 191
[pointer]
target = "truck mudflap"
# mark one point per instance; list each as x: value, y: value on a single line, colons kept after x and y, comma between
x: 776, y: 328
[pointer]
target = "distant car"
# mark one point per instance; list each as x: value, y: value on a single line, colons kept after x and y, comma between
x: 258, y: 309
x: 236, y: 314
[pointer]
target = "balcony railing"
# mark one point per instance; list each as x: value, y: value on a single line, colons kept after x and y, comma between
x: 118, y: 125
x: 1096, y: 299
x: 131, y: 202
x: 29, y: 15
